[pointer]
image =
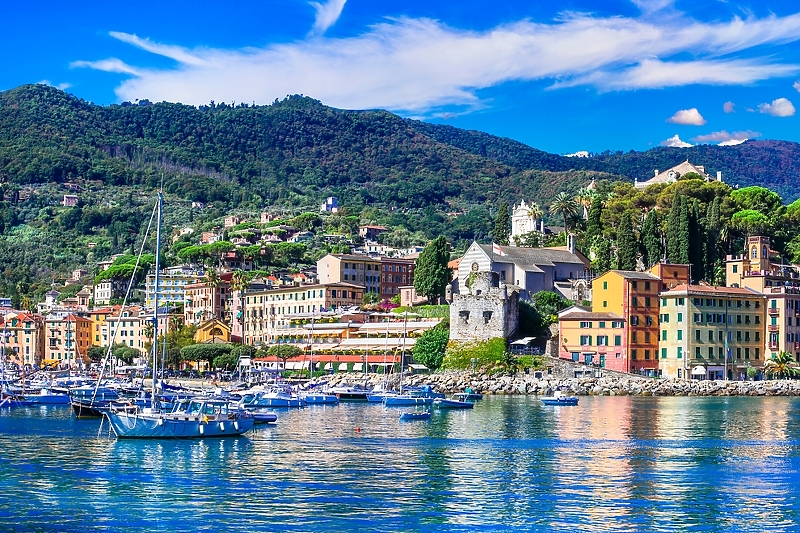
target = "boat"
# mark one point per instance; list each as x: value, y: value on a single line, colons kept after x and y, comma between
x: 319, y: 398
x: 275, y: 397
x: 558, y: 398
x: 424, y: 395
x: 90, y: 401
x: 190, y: 418
x: 262, y: 415
x: 47, y: 396
x: 472, y: 395
x: 457, y: 401
x: 416, y: 415
x: 356, y: 393
x: 10, y: 400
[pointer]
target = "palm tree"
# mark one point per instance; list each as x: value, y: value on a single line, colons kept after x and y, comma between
x: 564, y: 204
x: 213, y: 281
x: 781, y: 366
x: 584, y: 198
x: 240, y: 281
x: 535, y: 212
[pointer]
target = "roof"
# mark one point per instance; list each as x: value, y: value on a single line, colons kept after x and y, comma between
x: 708, y: 290
x: 353, y: 257
x: 630, y: 274
x: 680, y: 169
x: 531, y: 256
x: 579, y: 315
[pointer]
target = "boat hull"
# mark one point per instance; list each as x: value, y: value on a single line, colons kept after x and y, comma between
x: 321, y: 399
x: 560, y: 401
x: 143, y: 426
x: 452, y: 404
x: 88, y: 409
x: 405, y: 401
x: 424, y: 415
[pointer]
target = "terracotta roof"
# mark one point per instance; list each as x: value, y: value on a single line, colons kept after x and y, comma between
x: 707, y: 290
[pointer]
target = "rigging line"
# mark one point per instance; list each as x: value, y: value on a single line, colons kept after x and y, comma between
x: 124, y: 302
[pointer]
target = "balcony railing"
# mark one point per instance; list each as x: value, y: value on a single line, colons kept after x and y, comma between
x: 774, y: 311
x: 773, y: 345
x: 773, y: 329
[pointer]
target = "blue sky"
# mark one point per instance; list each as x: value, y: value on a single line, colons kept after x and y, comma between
x: 562, y: 76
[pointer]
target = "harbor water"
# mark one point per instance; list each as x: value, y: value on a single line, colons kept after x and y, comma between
x: 511, y: 464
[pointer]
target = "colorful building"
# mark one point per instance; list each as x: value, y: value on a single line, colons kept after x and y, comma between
x: 593, y: 338
x: 349, y: 268
x: 22, y: 338
x: 67, y: 339
x: 710, y: 332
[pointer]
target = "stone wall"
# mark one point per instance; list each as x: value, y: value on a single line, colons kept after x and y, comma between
x: 488, y: 311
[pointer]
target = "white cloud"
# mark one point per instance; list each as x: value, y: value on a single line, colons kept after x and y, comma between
x: 687, y: 117
x: 727, y: 139
x: 327, y: 15
x: 796, y: 85
x: 778, y: 108
x: 652, y: 6
x: 675, y: 142
x: 419, y: 64
x: 62, y: 86
x: 109, y: 65
x: 729, y: 107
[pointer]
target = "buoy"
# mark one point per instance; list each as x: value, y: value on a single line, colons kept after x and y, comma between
x: 358, y: 429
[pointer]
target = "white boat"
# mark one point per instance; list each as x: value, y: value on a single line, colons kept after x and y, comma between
x: 191, y: 419
x: 559, y: 398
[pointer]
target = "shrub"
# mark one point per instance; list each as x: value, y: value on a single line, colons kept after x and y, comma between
x: 430, y: 348
x: 204, y: 352
x: 459, y: 355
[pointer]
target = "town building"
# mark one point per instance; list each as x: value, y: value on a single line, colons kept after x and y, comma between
x: 267, y: 310
x: 212, y: 331
x: 621, y: 330
x: 530, y: 269
x: 232, y: 220
x: 371, y: 232
x: 22, y: 338
x: 205, y: 301
x: 710, y: 332
x: 330, y: 205
x: 759, y: 269
x: 98, y: 317
x: 349, y: 268
x: 523, y: 221
x: 172, y: 285
x: 67, y: 339
x: 395, y: 273
x: 107, y: 290
x: 70, y: 200
x: 671, y: 175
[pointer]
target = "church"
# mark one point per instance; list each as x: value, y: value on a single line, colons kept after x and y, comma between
x: 671, y: 175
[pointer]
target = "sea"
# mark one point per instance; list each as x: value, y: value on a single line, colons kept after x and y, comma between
x: 616, y: 464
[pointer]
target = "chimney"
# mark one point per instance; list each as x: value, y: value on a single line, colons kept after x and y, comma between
x: 719, y: 175
x: 655, y: 173
x: 571, y: 243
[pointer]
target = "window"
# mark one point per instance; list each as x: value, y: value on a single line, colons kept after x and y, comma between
x: 747, y: 335
x: 647, y: 354
x: 647, y: 301
x: 711, y: 352
x: 634, y: 320
x: 698, y: 301
x: 634, y: 338
x: 680, y: 317
x: 602, y: 340
x: 738, y: 353
x: 680, y: 352
x: 664, y: 302
x: 738, y: 319
x: 648, y: 320
x: 697, y: 335
x: 605, y: 303
x: 602, y: 324
x: 635, y: 285
x: 633, y: 354
x: 647, y: 287
x: 585, y: 325
x: 680, y: 334
x: 758, y: 353
x: 586, y: 340
x: 635, y: 301
x: 747, y: 353
x: 617, y: 340
x: 697, y: 352
x: 735, y: 269
x: 605, y: 285
x: 576, y: 356
x: 758, y: 336
x: 663, y: 334
x: 698, y: 318
x: 647, y: 337
x: 681, y: 301
x: 663, y: 353
x: 738, y: 335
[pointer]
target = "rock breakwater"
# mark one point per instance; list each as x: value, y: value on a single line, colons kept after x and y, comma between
x: 617, y: 385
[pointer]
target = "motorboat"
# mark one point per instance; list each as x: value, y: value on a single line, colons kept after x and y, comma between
x: 457, y: 401
x: 319, y: 398
x: 46, y: 396
x: 276, y: 397
x: 424, y: 395
x: 262, y: 415
x: 559, y: 398
x: 191, y: 419
x: 356, y: 393
x: 416, y: 415
x: 472, y: 395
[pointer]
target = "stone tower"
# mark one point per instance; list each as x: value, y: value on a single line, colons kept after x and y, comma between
x: 488, y: 311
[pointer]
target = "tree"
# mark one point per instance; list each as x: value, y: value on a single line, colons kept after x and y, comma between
x: 602, y: 252
x: 430, y: 347
x: 549, y: 304
x: 290, y: 252
x: 283, y: 352
x: 651, y: 239
x: 307, y: 221
x: 502, y: 225
x: 626, y: 244
x: 594, y: 226
x: 205, y: 352
x: 673, y: 229
x: 565, y: 205
x: 684, y: 233
x: 696, y: 249
x: 749, y: 222
x: 713, y: 232
x: 225, y: 362
x: 96, y: 353
x: 781, y: 366
x: 125, y: 353
x: 758, y: 199
x: 431, y: 274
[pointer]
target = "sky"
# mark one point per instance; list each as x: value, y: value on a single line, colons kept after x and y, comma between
x: 562, y: 76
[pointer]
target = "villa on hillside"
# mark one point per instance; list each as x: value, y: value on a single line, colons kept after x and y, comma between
x: 671, y: 175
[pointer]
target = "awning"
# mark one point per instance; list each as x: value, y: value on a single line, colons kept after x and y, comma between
x: 342, y: 367
x: 417, y: 367
x: 297, y: 365
x: 699, y: 370
x: 524, y: 341
x: 358, y: 366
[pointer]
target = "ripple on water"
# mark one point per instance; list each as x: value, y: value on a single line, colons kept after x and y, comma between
x: 511, y: 464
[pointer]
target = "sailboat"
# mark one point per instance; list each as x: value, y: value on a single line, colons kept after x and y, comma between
x: 316, y: 397
x: 191, y: 418
x: 421, y: 397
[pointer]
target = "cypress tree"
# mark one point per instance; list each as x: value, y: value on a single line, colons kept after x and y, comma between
x: 602, y: 252
x: 626, y: 244
x: 712, y: 226
x: 673, y: 226
x: 684, y: 233
x: 431, y: 274
x: 594, y: 227
x: 651, y: 239
x: 502, y: 225
x: 697, y: 233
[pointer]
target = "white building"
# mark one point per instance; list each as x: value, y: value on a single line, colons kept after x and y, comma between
x: 522, y: 221
x: 671, y: 175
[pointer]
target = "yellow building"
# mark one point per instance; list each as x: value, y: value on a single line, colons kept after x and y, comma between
x: 23, y: 338
x: 213, y: 330
x: 98, y: 318
x: 710, y: 332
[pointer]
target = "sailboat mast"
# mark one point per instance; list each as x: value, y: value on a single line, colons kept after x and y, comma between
x: 155, y: 298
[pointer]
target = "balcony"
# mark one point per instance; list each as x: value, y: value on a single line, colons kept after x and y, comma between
x: 773, y: 329
x: 774, y: 311
x: 773, y: 345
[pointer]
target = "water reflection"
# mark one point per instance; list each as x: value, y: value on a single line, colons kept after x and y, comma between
x: 609, y: 464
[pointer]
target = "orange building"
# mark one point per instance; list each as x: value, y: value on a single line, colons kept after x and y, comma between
x: 23, y: 338
x: 67, y: 339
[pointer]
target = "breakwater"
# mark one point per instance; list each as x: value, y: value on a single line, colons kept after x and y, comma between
x: 607, y: 385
